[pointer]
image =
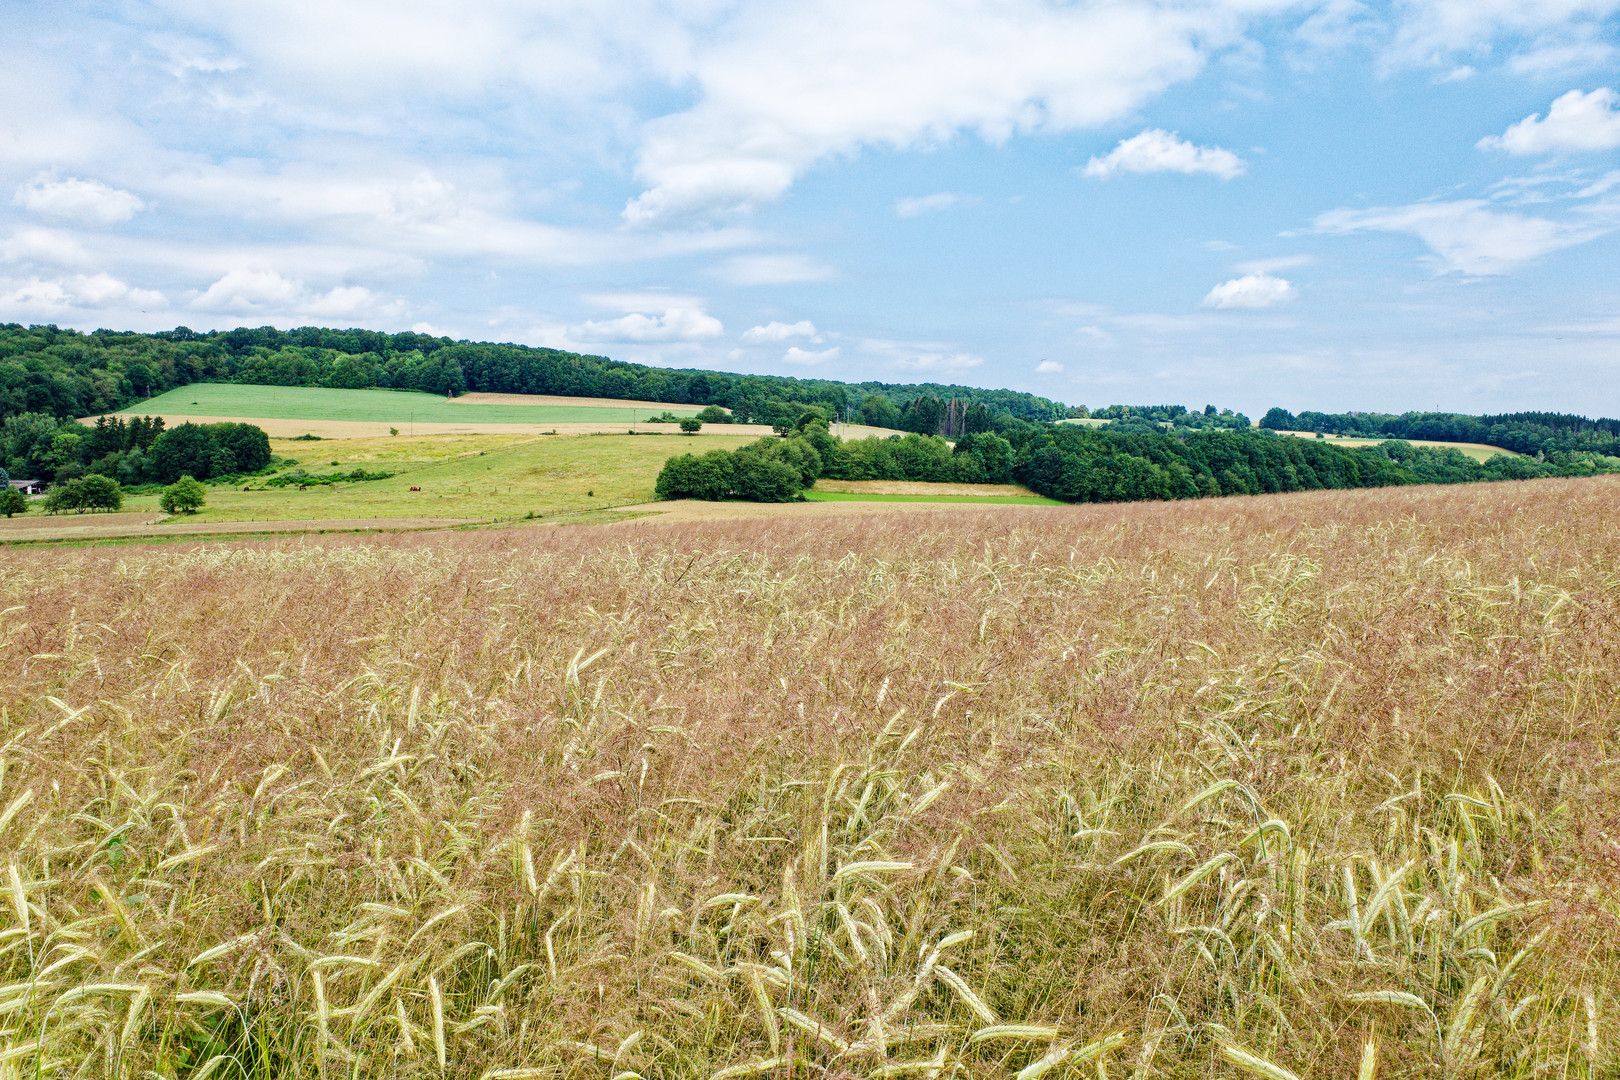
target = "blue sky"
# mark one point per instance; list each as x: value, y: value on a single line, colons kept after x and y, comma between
x: 1328, y: 204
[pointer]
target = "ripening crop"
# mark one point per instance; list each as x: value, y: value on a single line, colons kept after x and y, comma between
x: 1319, y: 785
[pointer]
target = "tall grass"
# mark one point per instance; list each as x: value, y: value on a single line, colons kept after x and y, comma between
x: 1316, y: 785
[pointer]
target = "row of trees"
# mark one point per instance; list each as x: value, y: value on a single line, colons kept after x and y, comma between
x: 1523, y: 432
x: 1080, y: 464
x: 64, y: 373
x: 137, y: 451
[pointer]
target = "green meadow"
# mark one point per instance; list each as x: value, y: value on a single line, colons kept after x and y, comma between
x: 375, y: 406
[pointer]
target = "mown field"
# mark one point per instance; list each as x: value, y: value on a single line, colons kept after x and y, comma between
x: 461, y: 476
x: 1318, y: 785
x: 399, y: 407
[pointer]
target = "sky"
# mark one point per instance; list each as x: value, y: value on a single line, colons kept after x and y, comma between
x: 1321, y: 204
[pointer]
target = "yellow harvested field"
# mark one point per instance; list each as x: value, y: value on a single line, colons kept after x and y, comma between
x: 1310, y: 785
x: 1477, y: 451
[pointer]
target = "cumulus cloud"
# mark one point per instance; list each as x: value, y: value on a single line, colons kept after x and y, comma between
x: 808, y: 357
x: 88, y: 201
x: 1466, y: 235
x: 1048, y: 367
x: 79, y: 291
x: 259, y: 291
x: 916, y: 205
x: 674, y: 324
x: 921, y: 355
x: 1156, y: 150
x: 1251, y: 291
x: 1435, y: 31
x: 1576, y: 121
x: 793, y: 84
x: 779, y: 331
x: 772, y: 270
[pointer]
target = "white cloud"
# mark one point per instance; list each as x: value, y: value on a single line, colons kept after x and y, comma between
x: 675, y: 324
x: 1576, y: 121
x: 43, y: 246
x: 921, y: 355
x: 263, y: 293
x: 789, y: 85
x: 1251, y: 291
x: 1156, y: 150
x: 808, y: 357
x: 1280, y: 262
x: 79, y: 291
x: 1434, y: 31
x: 780, y: 331
x: 916, y: 205
x: 772, y: 270
x: 1560, y: 60
x: 1466, y: 235
x: 1048, y: 367
x: 78, y: 200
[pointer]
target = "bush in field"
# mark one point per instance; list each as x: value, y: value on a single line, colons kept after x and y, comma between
x: 714, y: 414
x: 691, y: 425
x: 184, y: 496
x: 91, y: 492
x: 12, y: 501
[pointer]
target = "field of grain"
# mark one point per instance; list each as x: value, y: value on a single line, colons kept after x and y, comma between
x: 1474, y: 450
x: 1316, y: 785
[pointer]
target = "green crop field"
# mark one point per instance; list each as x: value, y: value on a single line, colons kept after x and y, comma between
x: 977, y: 500
x: 376, y: 406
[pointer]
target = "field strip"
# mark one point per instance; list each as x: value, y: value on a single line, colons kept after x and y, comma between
x: 960, y: 500
x: 1477, y: 451
x: 159, y: 529
x: 283, y: 428
x: 918, y: 487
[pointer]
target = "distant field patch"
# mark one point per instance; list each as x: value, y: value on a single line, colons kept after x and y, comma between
x: 916, y: 487
x: 553, y: 400
x: 397, y: 407
x: 1477, y: 451
x: 977, y: 500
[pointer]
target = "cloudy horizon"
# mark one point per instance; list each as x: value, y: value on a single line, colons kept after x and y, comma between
x: 1326, y: 204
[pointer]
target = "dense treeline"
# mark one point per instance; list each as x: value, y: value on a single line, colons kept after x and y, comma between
x: 65, y: 373
x: 37, y: 446
x: 1082, y: 464
x: 1522, y: 432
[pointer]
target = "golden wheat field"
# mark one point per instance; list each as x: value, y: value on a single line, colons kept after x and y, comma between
x: 1319, y: 785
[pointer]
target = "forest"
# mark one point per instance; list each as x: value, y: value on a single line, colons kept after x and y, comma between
x: 38, y: 446
x: 1522, y: 432
x: 64, y: 373
x: 1091, y: 465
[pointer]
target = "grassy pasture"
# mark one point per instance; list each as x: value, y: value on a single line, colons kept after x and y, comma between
x: 397, y: 407
x: 464, y: 476
x: 1322, y: 783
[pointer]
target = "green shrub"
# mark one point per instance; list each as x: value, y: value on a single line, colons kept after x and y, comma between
x: 184, y: 496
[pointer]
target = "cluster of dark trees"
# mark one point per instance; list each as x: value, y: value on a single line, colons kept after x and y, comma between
x: 1087, y: 464
x: 1157, y: 417
x: 38, y: 446
x: 92, y: 492
x: 64, y: 373
x: 1523, y: 432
